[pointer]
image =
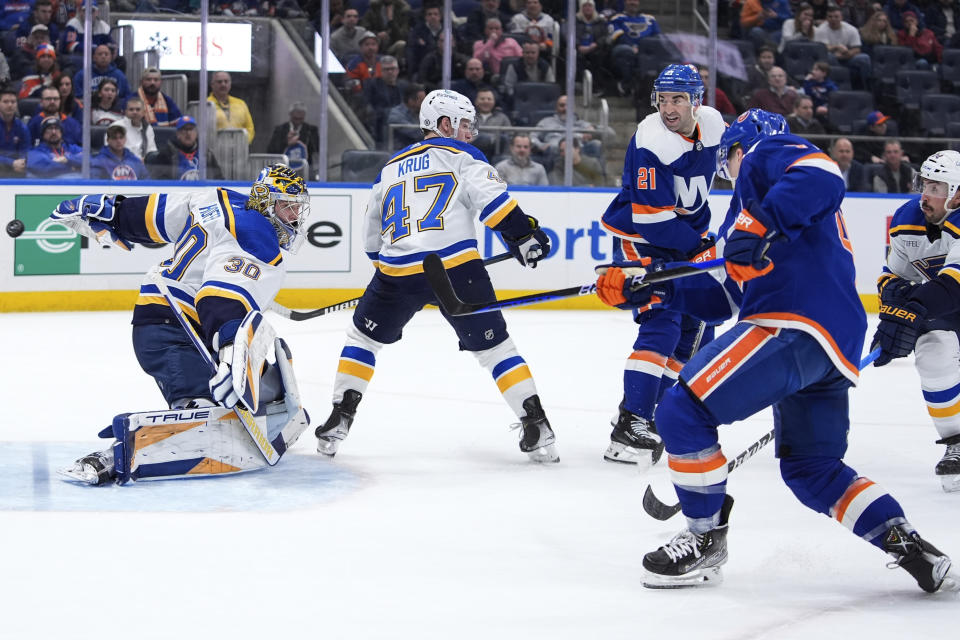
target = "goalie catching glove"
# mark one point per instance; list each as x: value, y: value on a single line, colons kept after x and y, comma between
x: 746, y: 247
x: 622, y: 285
x: 530, y: 248
x: 91, y: 216
x: 898, y: 331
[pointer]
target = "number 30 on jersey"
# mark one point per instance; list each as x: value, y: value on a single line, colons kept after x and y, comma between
x: 395, y: 211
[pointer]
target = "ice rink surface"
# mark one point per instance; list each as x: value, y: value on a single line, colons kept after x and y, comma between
x: 430, y: 523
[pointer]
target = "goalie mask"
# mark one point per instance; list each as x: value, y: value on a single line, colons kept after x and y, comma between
x: 280, y: 194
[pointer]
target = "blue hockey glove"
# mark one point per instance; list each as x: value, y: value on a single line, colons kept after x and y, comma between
x: 898, y: 331
x: 531, y: 248
x: 99, y: 206
x: 893, y: 289
x: 622, y: 286
x: 746, y: 247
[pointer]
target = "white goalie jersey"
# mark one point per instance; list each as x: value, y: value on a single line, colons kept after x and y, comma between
x: 427, y: 199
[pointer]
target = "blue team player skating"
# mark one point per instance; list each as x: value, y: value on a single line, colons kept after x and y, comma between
x: 226, y: 266
x: 786, y: 252
x: 662, y: 212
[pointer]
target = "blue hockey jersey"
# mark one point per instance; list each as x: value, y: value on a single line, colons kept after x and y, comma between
x: 627, y: 29
x: 666, y: 180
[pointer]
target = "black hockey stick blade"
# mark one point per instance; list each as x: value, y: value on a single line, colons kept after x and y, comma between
x: 657, y: 509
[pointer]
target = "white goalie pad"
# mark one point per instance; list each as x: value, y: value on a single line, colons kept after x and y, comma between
x: 252, y: 344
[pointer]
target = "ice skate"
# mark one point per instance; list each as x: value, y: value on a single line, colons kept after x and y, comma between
x: 690, y: 559
x: 929, y: 566
x: 948, y: 469
x: 94, y: 469
x: 634, y: 440
x: 332, y: 432
x: 537, y: 439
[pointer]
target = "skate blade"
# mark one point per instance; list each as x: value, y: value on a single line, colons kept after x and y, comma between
x: 79, y: 476
x: 327, y: 447
x: 951, y: 579
x: 950, y: 484
x: 544, y: 455
x: 711, y: 576
x: 643, y: 458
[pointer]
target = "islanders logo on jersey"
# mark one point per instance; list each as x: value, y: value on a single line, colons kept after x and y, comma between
x: 123, y: 172
x: 691, y: 193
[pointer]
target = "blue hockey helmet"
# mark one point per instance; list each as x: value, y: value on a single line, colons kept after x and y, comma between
x: 679, y: 78
x: 748, y: 129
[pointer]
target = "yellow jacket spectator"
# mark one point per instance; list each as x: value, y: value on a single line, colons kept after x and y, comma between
x: 232, y: 113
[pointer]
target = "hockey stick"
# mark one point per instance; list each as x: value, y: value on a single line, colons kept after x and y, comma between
x: 270, y: 453
x: 452, y: 304
x: 655, y: 508
x: 292, y: 314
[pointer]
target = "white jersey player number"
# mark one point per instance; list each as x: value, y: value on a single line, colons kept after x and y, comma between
x: 395, y: 210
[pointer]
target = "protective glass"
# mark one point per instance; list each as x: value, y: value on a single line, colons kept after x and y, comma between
x: 932, y: 188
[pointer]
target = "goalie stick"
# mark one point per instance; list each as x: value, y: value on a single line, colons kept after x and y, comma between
x: 293, y: 314
x: 655, y: 508
x: 452, y: 304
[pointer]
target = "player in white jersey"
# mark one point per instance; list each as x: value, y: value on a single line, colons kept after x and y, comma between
x: 427, y: 199
x: 227, y: 265
x: 920, y: 299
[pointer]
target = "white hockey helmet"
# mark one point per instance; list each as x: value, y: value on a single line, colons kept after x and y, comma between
x: 943, y: 166
x: 451, y: 104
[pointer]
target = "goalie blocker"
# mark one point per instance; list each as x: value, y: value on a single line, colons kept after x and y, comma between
x: 205, y: 441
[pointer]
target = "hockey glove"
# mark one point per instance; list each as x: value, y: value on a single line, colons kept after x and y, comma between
x: 746, y: 247
x: 893, y: 289
x: 221, y: 384
x: 99, y: 206
x: 531, y: 248
x: 898, y: 331
x: 622, y: 286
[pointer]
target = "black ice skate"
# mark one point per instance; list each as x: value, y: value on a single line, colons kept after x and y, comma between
x: 537, y: 439
x: 690, y: 559
x: 94, y: 469
x: 634, y: 440
x: 948, y: 469
x: 929, y: 566
x: 332, y: 432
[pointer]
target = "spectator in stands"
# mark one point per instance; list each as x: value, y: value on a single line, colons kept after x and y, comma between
x: 345, y: 41
x: 757, y: 74
x: 45, y: 73
x: 896, y: 174
x: 799, y: 28
x: 13, y: 13
x: 857, y: 12
x: 924, y: 43
x: 762, y: 20
x: 296, y: 138
x: 723, y: 104
x: 381, y: 95
x: 820, y: 8
x: 626, y: 30
x: 138, y: 133
x: 103, y: 67
x: 53, y: 157
x: 802, y: 120
x: 489, y: 115
x: 71, y: 40
x: 70, y: 129
x: 591, y: 39
x: 519, y: 168
x: 547, y: 141
x: 115, y: 161
x: 895, y: 10
x: 366, y: 64
x: 159, y: 109
x: 70, y: 105
x: 472, y: 80
x: 42, y: 15
x: 105, y: 106
x: 819, y: 86
x: 777, y: 96
x: 587, y: 171
x: 430, y: 72
x: 179, y: 158
x: 24, y: 58
x: 4, y: 70
x: 495, y: 47
x: 476, y: 26
x: 14, y: 137
x: 843, y: 43
x: 390, y: 21
x: 407, y: 112
x: 530, y: 68
x: 871, y: 151
x: 536, y: 25
x: 853, y: 171
x: 232, y: 112
x: 943, y: 18
x: 877, y: 30
x: 422, y: 38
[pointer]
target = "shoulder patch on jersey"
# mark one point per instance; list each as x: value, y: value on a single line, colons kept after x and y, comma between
x: 256, y: 236
x: 653, y: 136
x: 712, y: 126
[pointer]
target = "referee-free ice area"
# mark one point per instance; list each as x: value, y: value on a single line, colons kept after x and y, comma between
x: 430, y: 523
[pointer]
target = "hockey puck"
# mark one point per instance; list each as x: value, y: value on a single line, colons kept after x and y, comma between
x: 15, y: 228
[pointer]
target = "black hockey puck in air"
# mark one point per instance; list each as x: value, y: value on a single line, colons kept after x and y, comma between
x: 15, y: 228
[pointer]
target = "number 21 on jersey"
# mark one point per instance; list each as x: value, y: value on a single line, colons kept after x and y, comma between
x: 395, y: 210
x: 647, y: 178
